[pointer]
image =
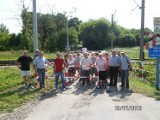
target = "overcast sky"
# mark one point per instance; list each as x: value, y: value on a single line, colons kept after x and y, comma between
x: 126, y: 12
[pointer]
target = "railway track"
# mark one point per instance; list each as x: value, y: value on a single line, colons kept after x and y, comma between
x: 13, y: 62
x: 8, y: 63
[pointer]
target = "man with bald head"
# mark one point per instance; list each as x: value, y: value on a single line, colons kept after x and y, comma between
x: 40, y: 63
x: 23, y: 63
x: 85, y: 62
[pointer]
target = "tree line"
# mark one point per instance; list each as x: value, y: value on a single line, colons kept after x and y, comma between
x: 52, y: 33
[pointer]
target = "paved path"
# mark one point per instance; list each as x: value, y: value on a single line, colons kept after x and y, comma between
x: 88, y: 103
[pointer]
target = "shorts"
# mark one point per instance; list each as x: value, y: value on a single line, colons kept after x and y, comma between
x: 25, y: 73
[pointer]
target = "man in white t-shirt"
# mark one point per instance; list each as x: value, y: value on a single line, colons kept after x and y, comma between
x: 86, y: 63
x: 70, y: 62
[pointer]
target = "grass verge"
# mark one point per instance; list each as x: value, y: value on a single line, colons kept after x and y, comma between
x: 146, y: 88
x: 12, y: 91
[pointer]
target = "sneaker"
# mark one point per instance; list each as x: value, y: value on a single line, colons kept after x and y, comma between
x: 54, y: 89
x: 64, y: 89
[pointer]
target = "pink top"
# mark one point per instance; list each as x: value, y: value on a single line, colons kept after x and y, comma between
x: 101, y: 64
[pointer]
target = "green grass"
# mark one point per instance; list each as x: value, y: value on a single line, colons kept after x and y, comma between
x: 12, y: 91
x: 133, y: 52
x: 14, y: 55
x: 10, y: 55
x: 146, y: 88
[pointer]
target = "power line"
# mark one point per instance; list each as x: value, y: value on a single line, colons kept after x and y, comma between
x: 136, y: 3
x: 137, y: 6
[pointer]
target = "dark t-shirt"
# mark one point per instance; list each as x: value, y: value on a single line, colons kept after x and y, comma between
x: 25, y: 62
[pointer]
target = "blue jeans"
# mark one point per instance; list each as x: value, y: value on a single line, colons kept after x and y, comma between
x: 57, y: 74
x: 41, y: 74
x: 124, y: 78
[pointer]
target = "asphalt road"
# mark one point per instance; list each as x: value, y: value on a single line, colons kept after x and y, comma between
x: 88, y: 103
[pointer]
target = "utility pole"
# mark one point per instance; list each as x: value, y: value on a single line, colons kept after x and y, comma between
x: 69, y: 14
x: 35, y: 36
x: 67, y: 37
x: 112, y: 32
x: 142, y: 31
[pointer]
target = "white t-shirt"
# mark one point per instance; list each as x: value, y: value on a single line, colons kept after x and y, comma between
x: 85, y: 62
x: 70, y: 61
x: 101, y: 64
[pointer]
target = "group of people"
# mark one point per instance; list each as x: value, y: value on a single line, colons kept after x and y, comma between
x: 107, y: 65
x: 39, y: 65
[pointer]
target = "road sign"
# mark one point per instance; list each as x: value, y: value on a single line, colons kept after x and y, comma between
x: 154, y: 52
x: 156, y: 25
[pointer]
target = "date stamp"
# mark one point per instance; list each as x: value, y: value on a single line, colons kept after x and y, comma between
x: 128, y: 108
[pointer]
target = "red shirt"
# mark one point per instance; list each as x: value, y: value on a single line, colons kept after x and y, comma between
x: 59, y: 64
x: 107, y: 59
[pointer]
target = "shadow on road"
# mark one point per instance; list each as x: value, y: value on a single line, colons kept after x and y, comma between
x: 78, y: 89
x: 111, y: 91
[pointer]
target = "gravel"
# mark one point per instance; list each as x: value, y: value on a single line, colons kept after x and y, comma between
x: 21, y: 112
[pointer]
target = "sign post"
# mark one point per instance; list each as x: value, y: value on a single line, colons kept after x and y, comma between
x: 154, y: 52
x: 157, y: 31
x: 158, y: 73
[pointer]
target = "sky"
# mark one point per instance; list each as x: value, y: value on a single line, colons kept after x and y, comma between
x: 126, y: 12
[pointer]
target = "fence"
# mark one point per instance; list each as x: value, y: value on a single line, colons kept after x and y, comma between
x: 67, y: 77
x: 138, y: 68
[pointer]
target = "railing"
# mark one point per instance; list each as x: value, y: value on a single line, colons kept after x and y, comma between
x: 67, y: 77
x: 138, y: 67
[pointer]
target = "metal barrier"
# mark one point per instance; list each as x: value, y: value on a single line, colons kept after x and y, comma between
x: 47, y: 76
x: 67, y: 77
x: 136, y: 68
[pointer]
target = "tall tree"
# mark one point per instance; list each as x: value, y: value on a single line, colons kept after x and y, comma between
x: 4, y: 37
x: 94, y: 34
x: 27, y: 33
